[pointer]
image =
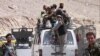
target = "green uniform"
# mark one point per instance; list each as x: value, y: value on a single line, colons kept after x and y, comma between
x: 1, y: 51
x: 92, y: 51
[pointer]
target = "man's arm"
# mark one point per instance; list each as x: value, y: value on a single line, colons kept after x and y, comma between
x: 57, y: 25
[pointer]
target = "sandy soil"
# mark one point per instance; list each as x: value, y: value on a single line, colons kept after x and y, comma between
x: 15, y: 13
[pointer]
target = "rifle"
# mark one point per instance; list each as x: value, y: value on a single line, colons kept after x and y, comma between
x: 8, y: 51
x: 86, y: 53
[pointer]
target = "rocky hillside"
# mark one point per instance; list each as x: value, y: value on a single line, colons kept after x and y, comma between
x: 15, y: 13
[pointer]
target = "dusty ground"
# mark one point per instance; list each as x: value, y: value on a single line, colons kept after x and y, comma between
x: 15, y: 13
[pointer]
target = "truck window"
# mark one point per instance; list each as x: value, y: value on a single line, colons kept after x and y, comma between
x: 69, y: 39
x: 49, y: 39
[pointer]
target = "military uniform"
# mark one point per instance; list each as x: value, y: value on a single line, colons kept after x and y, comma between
x: 92, y: 51
x: 8, y: 50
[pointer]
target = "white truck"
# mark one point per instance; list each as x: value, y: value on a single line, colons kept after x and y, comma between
x: 44, y: 45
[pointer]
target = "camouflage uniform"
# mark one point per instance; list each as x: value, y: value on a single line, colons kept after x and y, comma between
x: 92, y: 51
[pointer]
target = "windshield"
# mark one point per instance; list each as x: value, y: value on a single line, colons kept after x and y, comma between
x: 50, y: 39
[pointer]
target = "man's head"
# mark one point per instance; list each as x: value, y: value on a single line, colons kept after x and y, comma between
x: 91, y: 37
x: 9, y: 37
x: 59, y: 17
x: 54, y: 6
x: 49, y: 10
x: 44, y: 7
x: 61, y: 5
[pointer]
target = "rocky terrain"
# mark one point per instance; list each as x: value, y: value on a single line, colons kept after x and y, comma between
x: 15, y: 13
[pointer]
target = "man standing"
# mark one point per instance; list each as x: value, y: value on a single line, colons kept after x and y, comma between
x: 60, y: 32
x: 93, y: 48
x: 8, y: 48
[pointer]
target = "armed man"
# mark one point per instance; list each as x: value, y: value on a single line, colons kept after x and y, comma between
x: 8, y: 48
x: 60, y: 31
x: 93, y: 48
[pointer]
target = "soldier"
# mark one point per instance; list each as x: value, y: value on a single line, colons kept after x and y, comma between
x: 93, y: 48
x: 53, y: 7
x: 59, y: 11
x: 8, y: 48
x: 1, y: 50
x: 63, y: 13
x: 44, y: 12
x: 47, y: 17
x: 60, y: 31
x: 38, y: 29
